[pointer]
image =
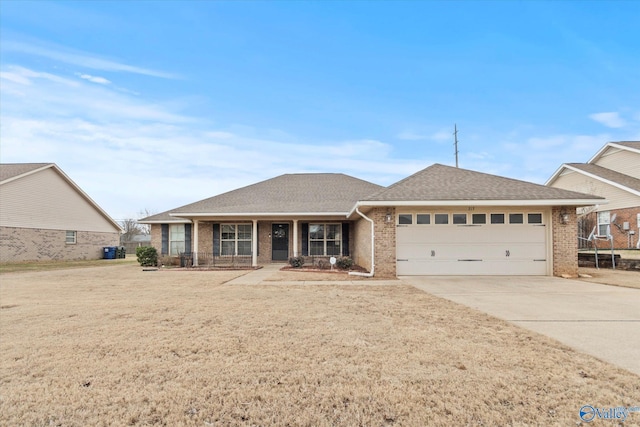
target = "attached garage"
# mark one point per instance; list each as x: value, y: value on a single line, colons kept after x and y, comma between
x: 449, y: 221
x: 483, y: 243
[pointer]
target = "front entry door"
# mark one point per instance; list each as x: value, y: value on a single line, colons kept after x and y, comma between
x: 280, y: 242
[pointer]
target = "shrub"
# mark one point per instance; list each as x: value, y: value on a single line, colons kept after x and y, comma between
x: 296, y: 261
x: 147, y: 256
x: 344, y: 263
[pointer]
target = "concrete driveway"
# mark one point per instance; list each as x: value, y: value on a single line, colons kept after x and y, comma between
x: 596, y: 319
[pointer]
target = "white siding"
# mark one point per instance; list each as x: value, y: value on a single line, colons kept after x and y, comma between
x: 622, y: 161
x: 45, y: 200
x: 618, y: 199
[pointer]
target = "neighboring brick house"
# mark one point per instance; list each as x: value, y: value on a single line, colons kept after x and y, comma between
x: 44, y: 216
x: 613, y: 173
x: 441, y: 220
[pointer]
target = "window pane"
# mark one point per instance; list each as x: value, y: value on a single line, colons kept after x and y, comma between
x: 333, y: 247
x: 176, y: 232
x: 70, y: 237
x: 405, y: 219
x: 333, y: 231
x: 497, y: 218
x: 459, y: 218
x: 442, y: 218
x: 228, y: 247
x: 228, y: 232
x: 479, y: 218
x: 516, y: 219
x: 316, y: 231
x: 244, y: 232
x: 244, y: 247
x: 176, y: 248
x: 316, y: 248
x: 423, y: 219
x: 534, y: 218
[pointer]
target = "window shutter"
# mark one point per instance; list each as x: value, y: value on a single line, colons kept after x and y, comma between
x: 165, y: 239
x: 258, y: 241
x: 216, y: 239
x: 187, y: 238
x: 345, y: 239
x: 305, y: 238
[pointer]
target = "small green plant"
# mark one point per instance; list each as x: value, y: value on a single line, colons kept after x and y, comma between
x: 147, y: 256
x: 296, y: 261
x: 344, y: 263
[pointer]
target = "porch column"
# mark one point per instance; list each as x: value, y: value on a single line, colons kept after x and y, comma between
x: 295, y: 237
x: 195, y: 242
x: 254, y: 244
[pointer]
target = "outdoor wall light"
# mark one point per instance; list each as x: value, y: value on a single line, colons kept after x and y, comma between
x: 564, y: 217
x: 388, y: 217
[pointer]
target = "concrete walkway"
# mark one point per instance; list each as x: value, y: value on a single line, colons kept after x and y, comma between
x: 262, y: 276
x: 596, y: 319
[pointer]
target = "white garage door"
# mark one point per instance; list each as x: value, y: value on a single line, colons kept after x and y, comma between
x: 506, y: 249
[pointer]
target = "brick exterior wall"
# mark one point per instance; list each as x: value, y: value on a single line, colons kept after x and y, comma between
x: 385, y: 242
x: 565, y: 242
x: 36, y: 244
x: 621, y: 238
x: 361, y: 238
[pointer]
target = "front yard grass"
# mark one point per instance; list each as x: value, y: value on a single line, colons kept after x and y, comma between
x: 119, y: 346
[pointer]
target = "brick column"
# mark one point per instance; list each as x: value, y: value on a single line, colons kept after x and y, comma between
x: 385, y: 242
x: 565, y: 241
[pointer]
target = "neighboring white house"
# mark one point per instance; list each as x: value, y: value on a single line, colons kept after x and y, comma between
x: 613, y: 173
x: 44, y: 215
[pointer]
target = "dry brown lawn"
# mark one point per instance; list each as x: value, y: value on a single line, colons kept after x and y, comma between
x: 119, y: 346
x: 608, y: 276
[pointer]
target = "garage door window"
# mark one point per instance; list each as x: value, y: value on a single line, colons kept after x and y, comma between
x: 442, y: 218
x: 459, y: 218
x: 516, y: 218
x: 534, y: 218
x: 405, y: 219
x: 479, y: 219
x: 497, y: 218
x: 423, y: 219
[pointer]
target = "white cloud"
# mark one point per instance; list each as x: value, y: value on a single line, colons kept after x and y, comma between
x: 82, y: 59
x: 94, y: 79
x: 439, y: 136
x: 609, y: 119
x: 130, y: 154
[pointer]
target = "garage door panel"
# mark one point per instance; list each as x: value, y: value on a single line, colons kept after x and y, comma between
x: 478, y: 250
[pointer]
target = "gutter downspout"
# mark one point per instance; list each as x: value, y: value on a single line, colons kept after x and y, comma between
x: 373, y: 248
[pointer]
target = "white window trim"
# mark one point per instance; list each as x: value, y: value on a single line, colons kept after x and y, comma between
x: 75, y: 237
x: 236, y: 239
x: 184, y: 238
x: 603, y: 223
x: 324, y: 240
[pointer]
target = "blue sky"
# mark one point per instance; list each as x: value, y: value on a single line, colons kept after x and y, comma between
x: 152, y: 105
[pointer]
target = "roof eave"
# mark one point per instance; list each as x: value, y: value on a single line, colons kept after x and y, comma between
x: 540, y: 202
x: 254, y: 214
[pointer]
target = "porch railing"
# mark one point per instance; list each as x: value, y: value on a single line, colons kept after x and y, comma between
x: 208, y: 260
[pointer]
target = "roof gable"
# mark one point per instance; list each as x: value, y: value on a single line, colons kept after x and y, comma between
x: 608, y: 176
x: 633, y: 146
x: 439, y: 183
x: 10, y: 172
x: 310, y: 193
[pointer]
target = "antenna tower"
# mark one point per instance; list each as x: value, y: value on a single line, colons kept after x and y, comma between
x: 455, y: 143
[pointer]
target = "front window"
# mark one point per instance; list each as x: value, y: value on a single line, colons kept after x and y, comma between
x: 604, y: 219
x: 176, y: 239
x: 325, y: 239
x: 235, y: 239
x: 70, y: 238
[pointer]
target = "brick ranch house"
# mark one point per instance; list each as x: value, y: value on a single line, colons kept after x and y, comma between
x: 613, y: 173
x: 44, y: 216
x: 439, y: 221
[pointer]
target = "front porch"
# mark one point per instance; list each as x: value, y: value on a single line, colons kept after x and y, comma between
x: 251, y: 243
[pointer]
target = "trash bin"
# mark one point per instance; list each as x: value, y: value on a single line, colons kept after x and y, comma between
x: 109, y: 252
x: 121, y: 252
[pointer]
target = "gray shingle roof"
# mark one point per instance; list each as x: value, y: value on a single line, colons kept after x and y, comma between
x: 290, y: 193
x: 446, y: 183
x: 630, y: 144
x: 11, y: 170
x: 608, y: 174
